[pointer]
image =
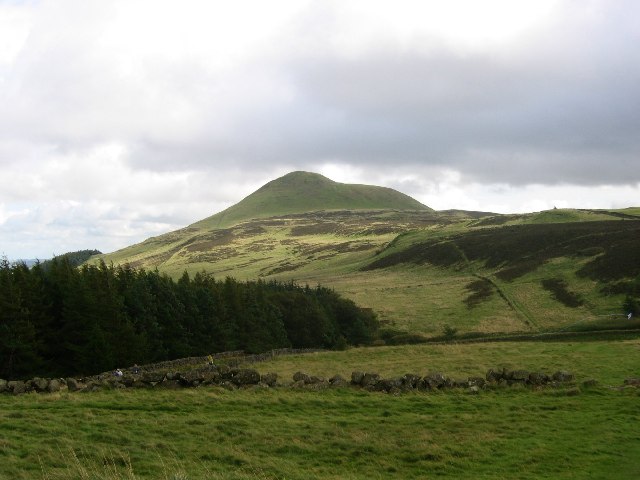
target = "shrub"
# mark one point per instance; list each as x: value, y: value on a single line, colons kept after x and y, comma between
x: 449, y: 332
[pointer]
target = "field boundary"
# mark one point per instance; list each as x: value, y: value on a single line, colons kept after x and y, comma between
x: 545, y: 336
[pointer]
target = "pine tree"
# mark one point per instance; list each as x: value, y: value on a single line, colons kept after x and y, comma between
x: 17, y: 334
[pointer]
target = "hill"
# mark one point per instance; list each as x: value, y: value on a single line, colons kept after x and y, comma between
x: 75, y: 258
x: 300, y: 192
x: 307, y: 202
x: 418, y: 269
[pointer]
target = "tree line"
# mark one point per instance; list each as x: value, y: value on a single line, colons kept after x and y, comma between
x: 57, y: 319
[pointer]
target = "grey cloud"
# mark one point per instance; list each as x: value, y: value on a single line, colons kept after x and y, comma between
x: 478, y: 113
x: 562, y: 108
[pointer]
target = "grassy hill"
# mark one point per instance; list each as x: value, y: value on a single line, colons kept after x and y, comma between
x: 418, y: 269
x: 298, y: 199
x: 300, y: 192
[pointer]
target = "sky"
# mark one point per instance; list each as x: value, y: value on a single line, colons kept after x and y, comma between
x: 125, y: 119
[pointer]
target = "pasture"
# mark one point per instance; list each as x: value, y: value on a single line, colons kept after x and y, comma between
x: 284, y: 433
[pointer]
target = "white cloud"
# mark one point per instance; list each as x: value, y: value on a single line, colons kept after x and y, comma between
x: 529, y: 198
x: 444, y: 189
x: 15, y: 24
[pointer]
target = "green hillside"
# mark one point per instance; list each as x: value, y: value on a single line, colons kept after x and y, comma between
x: 300, y: 192
x: 419, y: 270
x: 528, y: 277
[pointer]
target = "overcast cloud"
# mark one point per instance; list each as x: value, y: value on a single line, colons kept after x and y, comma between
x: 125, y: 119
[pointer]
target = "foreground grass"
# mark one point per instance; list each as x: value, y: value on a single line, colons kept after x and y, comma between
x: 336, y: 434
x: 210, y: 433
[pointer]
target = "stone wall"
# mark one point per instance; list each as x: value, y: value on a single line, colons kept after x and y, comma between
x: 437, y: 381
x: 234, y: 378
x: 232, y: 359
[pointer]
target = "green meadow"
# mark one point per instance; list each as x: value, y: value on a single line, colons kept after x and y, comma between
x: 284, y: 433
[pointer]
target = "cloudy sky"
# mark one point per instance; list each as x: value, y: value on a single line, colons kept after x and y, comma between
x: 124, y: 119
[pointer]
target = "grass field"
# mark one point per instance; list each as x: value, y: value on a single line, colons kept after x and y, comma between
x: 345, y: 434
x: 609, y: 362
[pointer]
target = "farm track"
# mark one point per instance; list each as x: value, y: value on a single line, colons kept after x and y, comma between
x: 528, y: 319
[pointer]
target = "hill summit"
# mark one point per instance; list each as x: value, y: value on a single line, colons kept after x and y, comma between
x: 301, y: 192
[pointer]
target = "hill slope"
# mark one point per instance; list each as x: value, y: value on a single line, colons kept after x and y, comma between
x: 419, y: 270
x: 300, y: 192
x: 525, y: 277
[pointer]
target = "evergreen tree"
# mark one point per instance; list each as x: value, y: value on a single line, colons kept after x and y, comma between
x: 17, y: 334
x: 134, y: 286
x: 57, y: 319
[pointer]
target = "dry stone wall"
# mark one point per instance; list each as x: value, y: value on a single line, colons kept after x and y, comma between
x: 234, y: 378
x: 228, y: 370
